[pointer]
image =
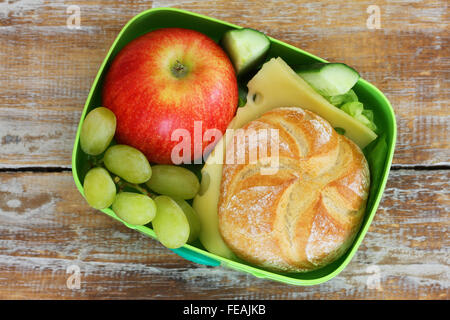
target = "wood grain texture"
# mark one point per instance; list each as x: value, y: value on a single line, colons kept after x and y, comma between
x: 47, y: 69
x: 46, y: 226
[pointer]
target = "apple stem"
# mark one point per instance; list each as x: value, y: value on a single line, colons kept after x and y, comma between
x: 179, y: 70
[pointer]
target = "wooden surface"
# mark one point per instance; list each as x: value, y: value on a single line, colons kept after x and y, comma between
x: 46, y: 227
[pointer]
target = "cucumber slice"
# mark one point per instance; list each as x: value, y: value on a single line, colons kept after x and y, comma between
x: 329, y: 79
x: 246, y: 48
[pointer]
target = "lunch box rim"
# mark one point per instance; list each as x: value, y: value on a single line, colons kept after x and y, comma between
x: 202, y: 256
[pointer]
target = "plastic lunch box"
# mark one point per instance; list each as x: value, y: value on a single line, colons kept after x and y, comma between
x: 379, y: 161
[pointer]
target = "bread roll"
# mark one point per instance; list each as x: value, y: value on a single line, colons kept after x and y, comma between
x: 305, y: 215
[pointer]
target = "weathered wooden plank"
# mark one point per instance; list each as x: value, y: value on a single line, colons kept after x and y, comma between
x: 46, y: 226
x: 47, y: 68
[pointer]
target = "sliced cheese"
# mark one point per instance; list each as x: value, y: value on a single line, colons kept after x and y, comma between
x: 206, y: 202
x: 275, y: 85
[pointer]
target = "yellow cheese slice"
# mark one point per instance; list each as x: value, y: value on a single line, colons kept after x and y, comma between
x: 275, y: 85
x: 206, y: 201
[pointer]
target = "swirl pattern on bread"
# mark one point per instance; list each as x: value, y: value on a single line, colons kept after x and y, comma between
x: 307, y: 214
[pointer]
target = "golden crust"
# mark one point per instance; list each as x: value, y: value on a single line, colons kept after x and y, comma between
x: 305, y: 215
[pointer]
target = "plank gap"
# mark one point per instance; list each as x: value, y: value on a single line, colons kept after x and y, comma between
x: 397, y: 167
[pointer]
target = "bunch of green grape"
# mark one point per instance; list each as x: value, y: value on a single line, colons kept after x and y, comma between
x: 161, y: 190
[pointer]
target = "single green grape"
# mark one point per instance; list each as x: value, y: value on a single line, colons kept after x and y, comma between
x: 134, y: 208
x: 99, y: 188
x: 193, y: 219
x: 128, y: 163
x: 97, y: 131
x: 170, y: 223
x: 173, y: 181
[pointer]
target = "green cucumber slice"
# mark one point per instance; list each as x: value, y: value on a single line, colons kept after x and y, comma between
x: 246, y: 48
x: 329, y: 79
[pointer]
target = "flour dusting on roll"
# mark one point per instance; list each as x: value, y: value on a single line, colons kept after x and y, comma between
x: 307, y: 214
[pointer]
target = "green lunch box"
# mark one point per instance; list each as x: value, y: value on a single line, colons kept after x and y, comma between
x: 379, y: 153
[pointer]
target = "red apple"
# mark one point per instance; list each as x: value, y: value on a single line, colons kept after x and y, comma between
x: 166, y: 80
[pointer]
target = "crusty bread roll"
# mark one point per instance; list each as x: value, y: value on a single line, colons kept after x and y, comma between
x: 305, y: 215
